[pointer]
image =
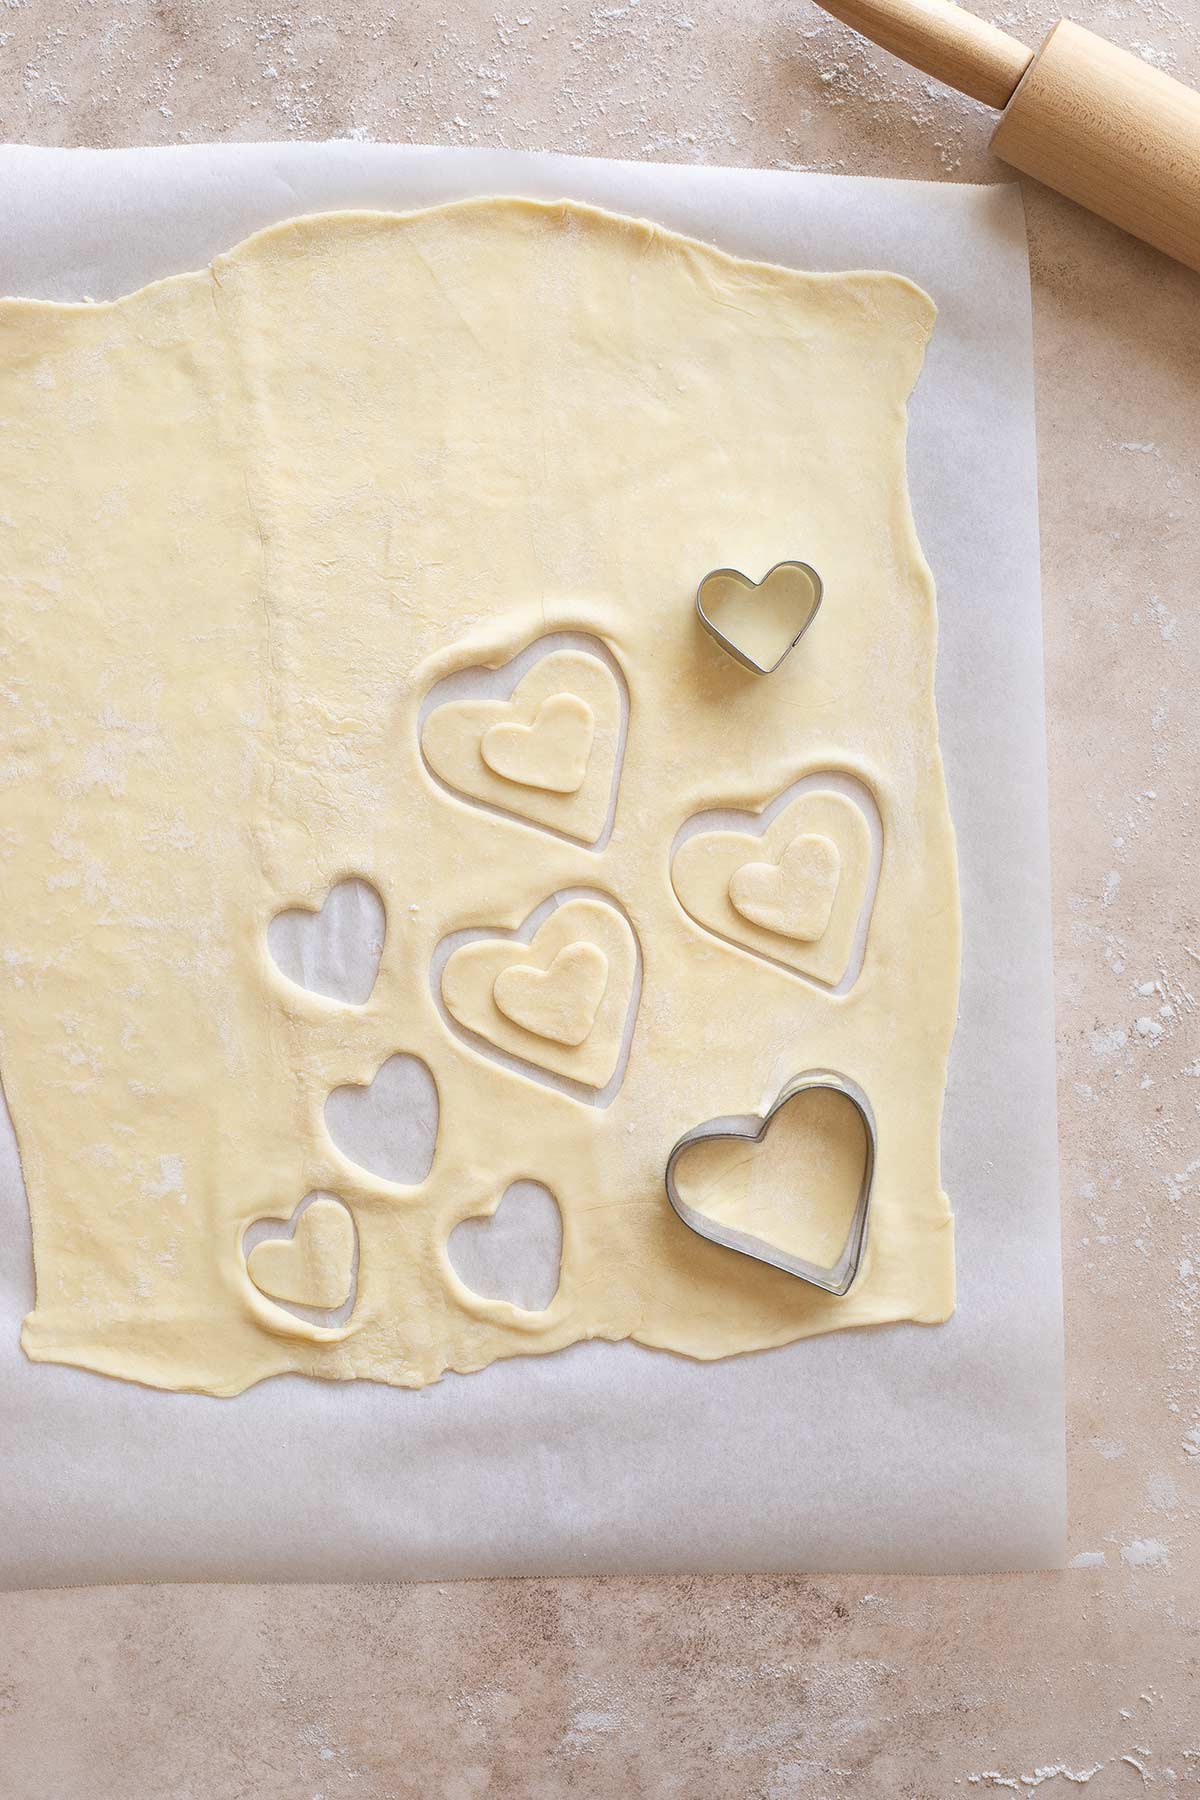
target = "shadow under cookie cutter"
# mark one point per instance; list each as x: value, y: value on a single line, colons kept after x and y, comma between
x: 837, y: 1278
x: 739, y: 655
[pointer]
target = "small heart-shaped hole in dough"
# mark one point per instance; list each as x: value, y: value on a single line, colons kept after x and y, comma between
x: 793, y: 897
x: 551, y: 753
x: 559, y: 1003
x: 309, y: 1261
x: 389, y: 1127
x: 514, y: 1252
x: 334, y: 950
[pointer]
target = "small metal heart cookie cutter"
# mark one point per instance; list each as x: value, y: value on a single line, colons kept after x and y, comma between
x: 836, y: 1279
x: 731, y: 649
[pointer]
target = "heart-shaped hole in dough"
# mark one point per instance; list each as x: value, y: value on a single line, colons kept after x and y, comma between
x: 512, y: 1253
x: 390, y: 1126
x: 333, y: 949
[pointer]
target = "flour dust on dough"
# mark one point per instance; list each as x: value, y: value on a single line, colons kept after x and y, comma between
x: 253, y: 517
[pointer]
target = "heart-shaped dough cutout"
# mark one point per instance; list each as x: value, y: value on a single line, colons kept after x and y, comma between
x: 478, y: 976
x: 511, y: 1254
x: 334, y: 949
x: 476, y: 746
x: 389, y: 1127
x: 552, y: 753
x: 311, y: 1260
x: 561, y: 1002
x: 714, y: 872
x: 759, y: 622
x: 793, y: 897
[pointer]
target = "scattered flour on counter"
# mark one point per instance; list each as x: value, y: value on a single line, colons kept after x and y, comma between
x: 1166, y: 621
x: 1018, y: 1784
x: 1162, y: 1493
x: 1056, y: 1771
x: 1145, y: 1553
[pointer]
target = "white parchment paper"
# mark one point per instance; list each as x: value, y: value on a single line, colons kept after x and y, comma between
x: 903, y: 1448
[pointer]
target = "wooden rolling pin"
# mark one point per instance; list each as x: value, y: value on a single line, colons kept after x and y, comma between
x: 1098, y: 124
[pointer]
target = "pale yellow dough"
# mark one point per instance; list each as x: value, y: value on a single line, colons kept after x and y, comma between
x: 560, y: 1002
x: 251, y: 518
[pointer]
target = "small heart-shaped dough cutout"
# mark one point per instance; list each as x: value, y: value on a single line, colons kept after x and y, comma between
x: 573, y: 1019
x: 561, y: 1002
x: 551, y: 753
x: 794, y: 896
x: 706, y: 866
x: 313, y: 1265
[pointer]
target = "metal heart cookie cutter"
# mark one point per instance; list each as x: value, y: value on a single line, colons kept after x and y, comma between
x: 781, y: 569
x: 836, y: 1279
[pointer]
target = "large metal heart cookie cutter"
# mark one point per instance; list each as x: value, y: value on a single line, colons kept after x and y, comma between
x: 782, y: 572
x: 836, y: 1279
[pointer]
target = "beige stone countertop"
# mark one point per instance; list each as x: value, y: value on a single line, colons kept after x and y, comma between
x: 1082, y: 1682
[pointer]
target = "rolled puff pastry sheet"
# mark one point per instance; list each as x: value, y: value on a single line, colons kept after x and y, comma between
x: 252, y: 517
